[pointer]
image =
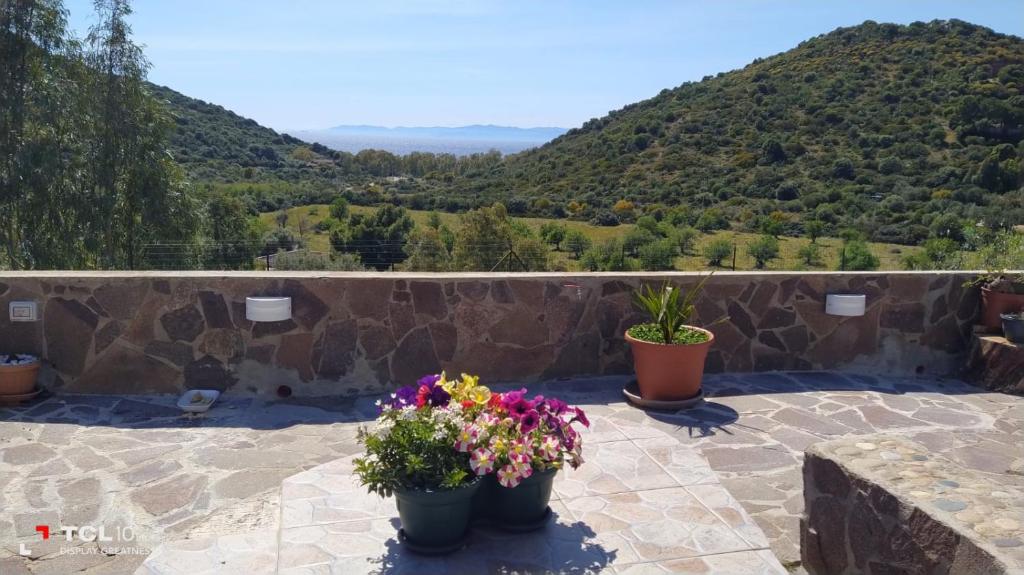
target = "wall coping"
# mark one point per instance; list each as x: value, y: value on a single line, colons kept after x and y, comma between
x: 78, y: 274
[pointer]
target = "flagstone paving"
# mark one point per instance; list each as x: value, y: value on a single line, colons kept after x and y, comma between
x: 216, y: 481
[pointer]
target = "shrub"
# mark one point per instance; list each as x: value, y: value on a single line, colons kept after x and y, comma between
x: 857, y: 256
x: 685, y: 239
x: 810, y: 254
x: 657, y: 256
x: 717, y: 251
x: 577, y: 242
x: 764, y: 249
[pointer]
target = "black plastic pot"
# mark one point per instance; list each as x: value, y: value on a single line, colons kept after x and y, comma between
x: 1013, y: 327
x: 436, y: 521
x: 520, y: 508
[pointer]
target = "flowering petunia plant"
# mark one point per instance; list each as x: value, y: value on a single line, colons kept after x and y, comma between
x: 512, y: 434
x: 442, y: 433
x: 410, y: 446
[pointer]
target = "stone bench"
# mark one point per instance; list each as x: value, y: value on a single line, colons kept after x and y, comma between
x: 996, y: 364
x: 882, y: 504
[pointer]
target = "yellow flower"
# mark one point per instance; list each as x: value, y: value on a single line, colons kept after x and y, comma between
x: 480, y: 395
x: 446, y: 385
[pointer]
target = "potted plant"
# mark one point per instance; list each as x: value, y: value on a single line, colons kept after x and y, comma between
x: 1001, y: 293
x: 1013, y: 326
x: 517, y: 444
x: 18, y: 374
x: 410, y: 454
x: 1002, y: 286
x: 669, y: 354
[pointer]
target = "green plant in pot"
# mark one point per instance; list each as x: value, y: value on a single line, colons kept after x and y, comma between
x: 668, y: 353
x: 1002, y: 286
x: 410, y: 454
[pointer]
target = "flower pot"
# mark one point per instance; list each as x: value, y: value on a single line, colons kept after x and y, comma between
x: 669, y: 372
x: 1013, y: 327
x: 520, y: 508
x: 436, y: 521
x: 18, y: 379
x: 995, y: 303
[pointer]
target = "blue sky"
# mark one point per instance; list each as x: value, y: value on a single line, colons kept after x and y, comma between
x: 294, y: 64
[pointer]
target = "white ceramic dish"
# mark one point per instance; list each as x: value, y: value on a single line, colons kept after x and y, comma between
x: 209, y: 397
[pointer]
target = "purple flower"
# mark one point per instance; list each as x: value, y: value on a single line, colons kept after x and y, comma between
x: 511, y: 397
x: 557, y: 406
x: 518, y: 409
x: 438, y: 396
x: 428, y: 380
x: 529, y: 421
x: 581, y: 417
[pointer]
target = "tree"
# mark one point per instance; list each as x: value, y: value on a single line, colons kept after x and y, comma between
x: 938, y: 254
x: 577, y: 242
x: 278, y: 240
x: 685, y: 239
x: 764, y: 249
x: 85, y: 180
x: 635, y: 238
x: 339, y: 208
x: 810, y: 254
x: 609, y: 256
x: 710, y: 220
x: 857, y: 256
x: 624, y: 209
x: 658, y: 255
x: 717, y: 251
x: 427, y: 252
x: 814, y: 229
x: 379, y: 238
x: 232, y: 241
x: 485, y: 236
x: 434, y: 220
x: 553, y: 233
x: 140, y: 198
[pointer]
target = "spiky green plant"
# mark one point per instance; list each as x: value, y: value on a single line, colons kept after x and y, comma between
x: 670, y: 308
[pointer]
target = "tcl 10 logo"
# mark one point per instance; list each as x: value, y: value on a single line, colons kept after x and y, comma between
x: 87, y: 533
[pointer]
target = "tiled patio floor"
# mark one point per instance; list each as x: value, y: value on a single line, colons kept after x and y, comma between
x: 137, y: 462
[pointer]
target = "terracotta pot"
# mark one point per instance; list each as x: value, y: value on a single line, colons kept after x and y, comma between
x: 994, y: 304
x: 669, y: 372
x: 18, y: 379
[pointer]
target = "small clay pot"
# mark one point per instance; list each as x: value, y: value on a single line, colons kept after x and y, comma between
x: 994, y: 304
x: 669, y: 372
x: 18, y: 379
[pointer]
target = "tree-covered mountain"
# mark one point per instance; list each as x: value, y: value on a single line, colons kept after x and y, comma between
x: 900, y: 131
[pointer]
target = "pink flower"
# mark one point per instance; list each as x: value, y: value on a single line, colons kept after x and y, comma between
x: 466, y: 438
x: 509, y: 476
x: 520, y: 449
x: 482, y: 461
x: 581, y: 417
x: 529, y: 421
x: 549, y: 448
x: 520, y: 408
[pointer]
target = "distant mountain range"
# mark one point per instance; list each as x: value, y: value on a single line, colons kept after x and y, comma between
x: 459, y: 140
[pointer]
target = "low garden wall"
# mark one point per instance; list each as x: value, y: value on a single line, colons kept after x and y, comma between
x: 140, y: 332
x: 880, y: 504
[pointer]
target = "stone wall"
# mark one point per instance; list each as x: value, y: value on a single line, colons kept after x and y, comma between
x: 882, y: 505
x: 357, y: 332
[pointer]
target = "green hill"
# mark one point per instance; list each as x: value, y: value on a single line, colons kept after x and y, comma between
x: 213, y: 143
x: 903, y: 132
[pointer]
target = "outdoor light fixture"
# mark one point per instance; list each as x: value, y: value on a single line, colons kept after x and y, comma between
x: 851, y: 305
x: 268, y: 308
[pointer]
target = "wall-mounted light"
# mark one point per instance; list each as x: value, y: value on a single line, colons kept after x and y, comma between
x: 268, y: 308
x: 23, y: 311
x: 850, y: 305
